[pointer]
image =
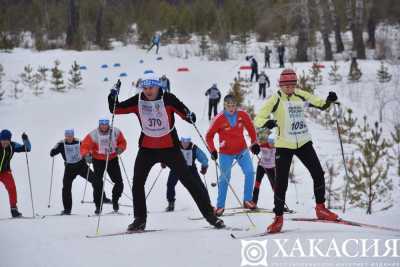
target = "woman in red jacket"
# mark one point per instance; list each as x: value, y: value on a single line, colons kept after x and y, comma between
x: 229, y: 125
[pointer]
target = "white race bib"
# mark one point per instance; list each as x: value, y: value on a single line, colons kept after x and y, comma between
x: 104, y: 144
x: 267, y: 158
x: 296, y: 126
x: 188, y: 155
x: 72, y: 153
x: 154, y: 118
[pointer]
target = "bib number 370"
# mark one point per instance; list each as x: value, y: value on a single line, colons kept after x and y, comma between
x: 154, y: 122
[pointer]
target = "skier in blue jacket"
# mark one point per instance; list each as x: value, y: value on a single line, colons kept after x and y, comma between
x: 191, y: 153
x: 155, y: 41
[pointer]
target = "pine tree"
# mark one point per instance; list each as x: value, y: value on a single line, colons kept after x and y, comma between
x: 334, y: 76
x: 27, y: 76
x: 37, y: 84
x: 57, y: 78
x: 304, y: 83
x: 238, y: 93
x: 332, y: 192
x: 315, y: 74
x: 369, y: 181
x: 383, y: 74
x: 396, y: 140
x: 347, y: 127
x: 42, y: 70
x: 16, y: 90
x: 75, y: 80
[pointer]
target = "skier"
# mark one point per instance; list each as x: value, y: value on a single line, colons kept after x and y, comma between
x: 165, y: 85
x: 229, y: 125
x: 214, y: 96
x: 95, y: 147
x: 159, y: 142
x: 254, y: 67
x: 262, y: 83
x: 281, y: 55
x: 7, y: 149
x: 267, y: 53
x: 191, y: 153
x: 75, y: 165
x: 287, y: 107
x: 266, y: 165
x: 155, y: 41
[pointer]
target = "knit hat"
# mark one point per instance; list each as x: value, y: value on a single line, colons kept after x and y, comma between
x: 104, y: 121
x: 288, y: 77
x: 186, y: 139
x: 5, y: 135
x: 150, y: 79
x: 69, y: 132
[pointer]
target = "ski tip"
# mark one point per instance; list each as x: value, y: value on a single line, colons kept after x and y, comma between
x: 233, y: 236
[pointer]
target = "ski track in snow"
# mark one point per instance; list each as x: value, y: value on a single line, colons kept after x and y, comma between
x: 60, y: 241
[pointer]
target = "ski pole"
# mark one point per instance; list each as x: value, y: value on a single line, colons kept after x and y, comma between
x: 154, y: 183
x: 117, y: 87
x: 51, y: 182
x: 29, y: 178
x: 343, y: 158
x: 86, y: 182
x: 126, y: 174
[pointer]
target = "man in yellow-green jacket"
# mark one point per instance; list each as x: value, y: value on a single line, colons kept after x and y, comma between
x: 293, y: 138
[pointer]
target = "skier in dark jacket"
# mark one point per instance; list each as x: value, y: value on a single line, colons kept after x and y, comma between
x: 254, y: 68
x: 267, y: 54
x: 75, y: 165
x: 158, y: 143
x: 155, y: 41
x: 165, y: 85
x: 214, y: 96
x: 7, y: 150
x: 191, y: 153
x: 281, y: 55
x: 263, y: 80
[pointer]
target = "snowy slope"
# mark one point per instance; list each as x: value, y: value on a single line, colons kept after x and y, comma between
x: 59, y: 241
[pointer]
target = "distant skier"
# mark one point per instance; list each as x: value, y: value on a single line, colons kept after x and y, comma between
x: 287, y: 107
x: 281, y: 55
x: 229, y: 126
x: 266, y: 165
x: 254, y: 68
x: 191, y: 153
x: 75, y: 165
x: 7, y: 150
x: 159, y: 143
x: 165, y: 84
x: 262, y: 83
x: 94, y: 148
x: 155, y: 41
x: 267, y: 55
x: 214, y: 96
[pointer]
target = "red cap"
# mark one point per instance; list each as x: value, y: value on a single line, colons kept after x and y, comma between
x: 288, y: 77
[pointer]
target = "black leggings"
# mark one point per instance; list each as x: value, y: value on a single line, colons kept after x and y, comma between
x: 212, y: 105
x: 262, y: 89
x: 283, y: 160
x: 70, y: 173
x: 259, y: 176
x: 173, y: 158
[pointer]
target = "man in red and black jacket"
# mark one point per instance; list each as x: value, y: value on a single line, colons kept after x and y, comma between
x: 159, y: 143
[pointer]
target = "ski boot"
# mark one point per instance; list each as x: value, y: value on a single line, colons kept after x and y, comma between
x: 15, y: 213
x: 249, y: 205
x: 139, y: 224
x: 219, y: 211
x: 65, y: 212
x: 115, y: 206
x: 171, y: 206
x: 325, y: 214
x: 276, y: 225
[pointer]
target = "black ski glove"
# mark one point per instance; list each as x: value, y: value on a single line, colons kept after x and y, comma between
x: 115, y: 90
x: 255, y: 149
x: 24, y: 137
x: 332, y: 97
x: 270, y: 124
x: 191, y: 117
x: 203, y: 170
x: 214, y: 155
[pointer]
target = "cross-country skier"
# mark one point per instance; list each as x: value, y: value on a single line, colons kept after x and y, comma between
x: 214, y: 96
x: 75, y: 165
x: 229, y: 125
x: 159, y: 143
x: 281, y: 55
x: 267, y: 54
x: 266, y: 165
x: 155, y: 41
x: 165, y: 84
x: 95, y: 147
x: 7, y: 150
x: 254, y: 67
x: 191, y: 153
x: 262, y: 83
x: 287, y: 107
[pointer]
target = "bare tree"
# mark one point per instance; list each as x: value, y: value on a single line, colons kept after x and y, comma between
x: 336, y: 26
x: 371, y: 23
x: 357, y: 31
x: 324, y: 30
x: 73, y: 36
x: 304, y: 31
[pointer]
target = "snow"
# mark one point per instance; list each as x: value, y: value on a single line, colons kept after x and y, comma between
x: 61, y: 241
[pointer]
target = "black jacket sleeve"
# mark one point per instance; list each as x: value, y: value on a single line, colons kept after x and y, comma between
x: 124, y: 107
x: 56, y: 149
x: 181, y: 109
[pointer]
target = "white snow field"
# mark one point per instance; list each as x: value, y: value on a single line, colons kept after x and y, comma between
x: 61, y: 241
